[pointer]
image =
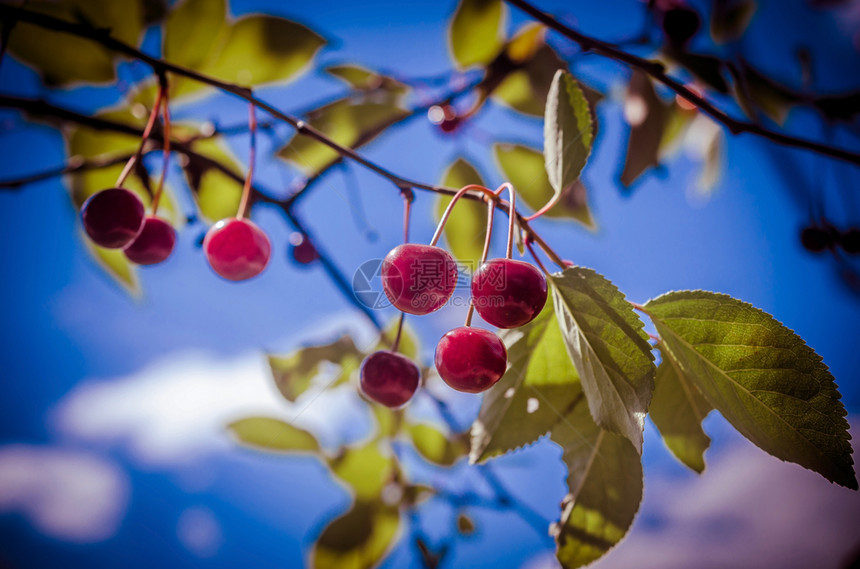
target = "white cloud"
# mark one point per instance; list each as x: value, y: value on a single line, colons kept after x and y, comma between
x: 66, y: 494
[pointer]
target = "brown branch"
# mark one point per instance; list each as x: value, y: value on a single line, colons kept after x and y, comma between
x: 75, y: 164
x: 657, y: 71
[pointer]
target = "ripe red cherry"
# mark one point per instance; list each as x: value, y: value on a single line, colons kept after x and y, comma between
x: 302, y: 250
x: 471, y: 359
x: 418, y: 279
x: 389, y: 378
x: 154, y: 244
x: 236, y: 248
x: 112, y: 218
x: 508, y: 293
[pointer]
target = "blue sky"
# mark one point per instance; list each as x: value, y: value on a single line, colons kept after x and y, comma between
x: 133, y: 393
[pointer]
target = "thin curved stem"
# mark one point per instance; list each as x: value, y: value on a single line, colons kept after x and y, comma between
x: 407, y: 215
x: 396, y: 343
x: 460, y: 193
x: 166, y: 159
x: 512, y: 214
x: 535, y: 256
x: 491, y: 212
x: 153, y: 115
x: 252, y: 156
x: 548, y: 206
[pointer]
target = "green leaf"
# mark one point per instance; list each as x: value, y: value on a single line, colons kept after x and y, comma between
x: 568, y: 131
x: 272, y: 434
x: 62, y: 59
x: 678, y: 410
x: 117, y: 266
x: 467, y: 226
x: 364, y: 469
x: 605, y: 340
x: 347, y: 123
x: 539, y: 388
x: 217, y: 194
x: 359, y: 539
x: 729, y: 20
x: 435, y: 446
x: 761, y: 376
x: 363, y: 79
x: 294, y: 373
x: 605, y: 484
x: 524, y: 168
x: 757, y: 92
x: 193, y: 31
x: 648, y: 116
x: 476, y: 33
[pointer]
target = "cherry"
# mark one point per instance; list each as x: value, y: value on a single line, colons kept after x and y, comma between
x: 302, y: 250
x: 236, y: 248
x: 508, y: 293
x: 816, y: 239
x: 389, y: 378
x: 418, y: 279
x: 445, y: 117
x: 113, y: 218
x: 154, y: 243
x: 471, y: 359
x: 849, y: 240
x: 680, y: 24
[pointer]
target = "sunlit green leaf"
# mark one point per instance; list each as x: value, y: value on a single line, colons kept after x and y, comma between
x: 347, y: 123
x: 567, y: 133
x: 216, y: 193
x: 365, y: 470
x: 62, y: 58
x: 359, y: 539
x: 294, y: 373
x: 758, y: 93
x: 729, y: 20
x: 525, y: 89
x: 117, y: 266
x: 605, y: 340
x: 539, y: 388
x: 526, y: 43
x: 760, y: 376
x: 476, y: 32
x: 364, y: 79
x: 466, y: 228
x: 605, y: 484
x: 678, y: 410
x: 272, y: 434
x: 435, y: 446
x: 192, y: 32
x: 524, y: 168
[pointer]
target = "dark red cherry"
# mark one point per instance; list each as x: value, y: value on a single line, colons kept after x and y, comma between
x: 471, y: 359
x: 236, y: 248
x: 113, y: 218
x: 508, y: 293
x: 680, y: 24
x: 418, y: 279
x: 302, y: 250
x: 154, y: 244
x: 849, y: 240
x: 816, y: 239
x: 389, y: 378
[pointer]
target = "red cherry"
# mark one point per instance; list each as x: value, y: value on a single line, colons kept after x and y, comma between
x: 154, y: 244
x: 236, y: 248
x: 471, y: 359
x: 113, y: 218
x: 389, y: 378
x: 508, y: 293
x: 302, y: 250
x: 418, y: 279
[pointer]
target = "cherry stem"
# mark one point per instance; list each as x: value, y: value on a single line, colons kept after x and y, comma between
x: 512, y: 214
x: 165, y: 110
x: 396, y: 343
x: 548, y: 206
x: 531, y: 249
x: 246, y: 189
x: 407, y: 215
x: 153, y: 115
x: 491, y: 212
x: 450, y: 207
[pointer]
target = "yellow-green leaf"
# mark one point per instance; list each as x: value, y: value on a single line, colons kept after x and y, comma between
x: 365, y: 470
x: 272, y: 434
x: 476, y: 32
x: 216, y: 193
x: 467, y: 226
x: 567, y: 133
x: 358, y: 539
x: 192, y: 32
x: 295, y: 372
x: 435, y: 446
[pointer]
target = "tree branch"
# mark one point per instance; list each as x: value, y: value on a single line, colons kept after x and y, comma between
x: 657, y: 71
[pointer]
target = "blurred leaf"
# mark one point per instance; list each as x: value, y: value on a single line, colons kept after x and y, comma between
x: 540, y: 386
x: 760, y: 93
x: 192, y: 32
x: 677, y: 121
x: 466, y: 228
x: 647, y: 115
x: 415, y: 494
x: 295, y: 372
x: 217, y: 194
x: 363, y: 79
x: 117, y: 266
x: 347, y: 123
x: 568, y: 133
x: 605, y: 484
x: 760, y: 376
x: 435, y: 446
x: 476, y: 32
x: 678, y: 410
x: 272, y: 434
x: 465, y: 524
x: 526, y: 42
x: 359, y: 539
x: 62, y: 59
x: 730, y: 19
x: 409, y: 343
x: 364, y: 469
x: 609, y: 348
x: 524, y: 168
x: 154, y: 11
